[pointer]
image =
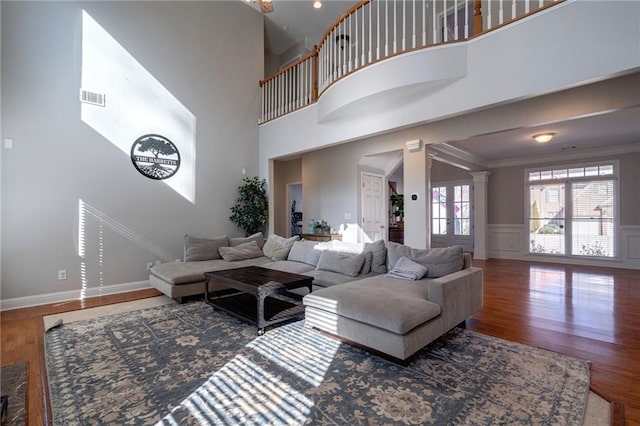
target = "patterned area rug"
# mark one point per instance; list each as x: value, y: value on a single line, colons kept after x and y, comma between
x: 185, y: 364
x: 13, y: 383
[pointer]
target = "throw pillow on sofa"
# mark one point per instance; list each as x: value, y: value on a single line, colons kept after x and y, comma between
x: 306, y: 252
x: 438, y: 261
x: 244, y: 251
x: 257, y: 237
x: 198, y: 249
x: 278, y: 248
x: 341, y: 262
x: 379, y: 256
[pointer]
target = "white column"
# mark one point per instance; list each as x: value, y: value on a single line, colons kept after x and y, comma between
x: 480, y: 202
x: 417, y: 176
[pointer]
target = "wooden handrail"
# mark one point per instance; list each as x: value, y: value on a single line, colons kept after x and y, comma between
x: 306, y: 57
x: 341, y: 19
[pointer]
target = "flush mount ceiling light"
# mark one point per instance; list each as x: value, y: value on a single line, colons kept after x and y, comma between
x: 543, y: 137
x: 317, y: 4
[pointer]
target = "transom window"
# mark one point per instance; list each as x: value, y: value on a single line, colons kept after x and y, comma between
x: 572, y: 210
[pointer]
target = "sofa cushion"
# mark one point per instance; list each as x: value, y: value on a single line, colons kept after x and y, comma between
x: 438, y: 261
x: 381, y: 306
x: 340, y: 262
x: 306, y: 252
x: 277, y: 247
x: 406, y: 269
x: 199, y: 249
x: 257, y: 237
x: 177, y: 273
x: 244, y: 251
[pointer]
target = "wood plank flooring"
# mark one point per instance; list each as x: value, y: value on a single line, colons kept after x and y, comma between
x: 586, y: 312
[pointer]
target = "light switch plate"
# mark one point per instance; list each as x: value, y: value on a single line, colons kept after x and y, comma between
x: 8, y: 143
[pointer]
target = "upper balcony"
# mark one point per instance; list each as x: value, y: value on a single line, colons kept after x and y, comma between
x: 392, y: 64
x: 376, y: 30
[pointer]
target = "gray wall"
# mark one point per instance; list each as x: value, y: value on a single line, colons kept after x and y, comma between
x: 59, y: 162
x: 506, y: 190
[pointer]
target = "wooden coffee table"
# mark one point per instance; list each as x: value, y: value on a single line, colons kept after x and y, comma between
x: 260, y: 296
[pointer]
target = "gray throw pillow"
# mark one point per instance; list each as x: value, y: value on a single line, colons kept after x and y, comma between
x: 277, y: 247
x: 438, y: 261
x: 343, y: 263
x: 379, y: 259
x: 257, y: 237
x: 198, y: 249
x: 244, y: 251
x: 305, y: 252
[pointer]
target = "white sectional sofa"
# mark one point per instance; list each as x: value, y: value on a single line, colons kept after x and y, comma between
x: 353, y: 297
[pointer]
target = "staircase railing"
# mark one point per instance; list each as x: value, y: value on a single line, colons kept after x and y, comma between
x: 374, y: 30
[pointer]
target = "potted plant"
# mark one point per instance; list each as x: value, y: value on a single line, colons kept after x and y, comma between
x: 251, y: 210
x: 321, y: 227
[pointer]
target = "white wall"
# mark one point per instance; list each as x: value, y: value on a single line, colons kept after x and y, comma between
x: 62, y: 171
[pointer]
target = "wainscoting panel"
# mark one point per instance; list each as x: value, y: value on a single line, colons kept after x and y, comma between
x: 510, y: 242
x: 506, y: 241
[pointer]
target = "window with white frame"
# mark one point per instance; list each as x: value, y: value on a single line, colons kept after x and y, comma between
x: 572, y: 210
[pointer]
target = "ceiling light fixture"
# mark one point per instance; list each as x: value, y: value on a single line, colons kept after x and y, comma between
x: 543, y: 137
x: 317, y: 4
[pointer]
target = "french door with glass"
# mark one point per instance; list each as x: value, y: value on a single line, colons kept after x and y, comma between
x: 452, y: 215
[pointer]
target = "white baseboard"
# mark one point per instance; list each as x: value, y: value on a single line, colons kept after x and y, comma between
x: 64, y: 296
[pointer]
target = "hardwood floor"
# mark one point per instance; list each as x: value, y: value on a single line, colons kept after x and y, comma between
x: 587, y: 312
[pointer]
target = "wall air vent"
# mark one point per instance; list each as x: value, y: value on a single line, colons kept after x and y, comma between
x: 92, y: 98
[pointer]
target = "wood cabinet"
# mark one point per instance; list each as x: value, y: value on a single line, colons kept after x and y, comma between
x: 321, y: 237
x: 396, y: 234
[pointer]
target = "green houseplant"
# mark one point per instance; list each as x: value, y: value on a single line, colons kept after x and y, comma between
x: 251, y: 210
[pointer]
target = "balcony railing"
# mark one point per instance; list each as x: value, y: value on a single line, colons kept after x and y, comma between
x: 374, y: 30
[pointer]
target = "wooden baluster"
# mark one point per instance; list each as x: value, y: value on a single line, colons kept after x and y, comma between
x: 345, y: 46
x: 489, y: 15
x: 314, y: 70
x: 477, y: 17
x: 378, y: 29
x: 501, y: 13
x: 445, y: 33
x: 349, y: 45
x: 526, y: 6
x: 513, y: 9
x: 466, y: 19
x: 356, y: 56
x: 395, y: 28
x: 370, y: 49
x: 404, y: 25
x: 386, y: 29
x: 413, y: 39
x: 364, y: 50
x: 455, y: 19
x: 434, y: 37
x: 424, y: 23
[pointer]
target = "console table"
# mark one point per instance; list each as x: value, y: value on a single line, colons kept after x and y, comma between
x: 321, y: 237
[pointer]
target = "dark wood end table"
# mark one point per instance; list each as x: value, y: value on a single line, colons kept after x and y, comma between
x: 262, y: 296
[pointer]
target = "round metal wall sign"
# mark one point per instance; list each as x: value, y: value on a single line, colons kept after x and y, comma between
x: 155, y: 156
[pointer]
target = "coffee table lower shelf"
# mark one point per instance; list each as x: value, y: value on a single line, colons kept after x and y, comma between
x: 244, y: 306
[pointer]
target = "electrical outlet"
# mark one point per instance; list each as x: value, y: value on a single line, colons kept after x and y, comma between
x: 149, y: 265
x: 62, y: 274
